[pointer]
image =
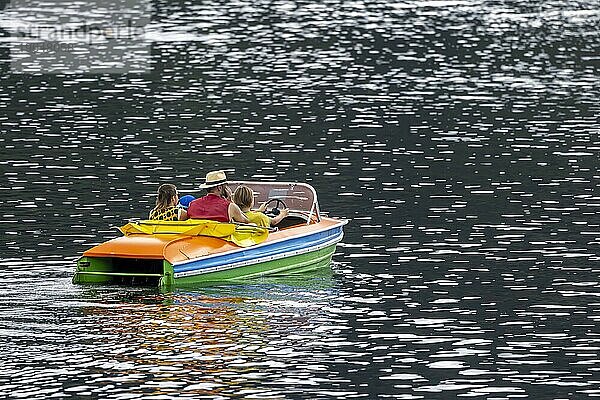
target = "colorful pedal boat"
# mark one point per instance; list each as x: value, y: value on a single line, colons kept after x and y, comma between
x: 200, y: 251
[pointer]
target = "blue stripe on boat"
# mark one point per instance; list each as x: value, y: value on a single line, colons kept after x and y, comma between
x: 270, y: 249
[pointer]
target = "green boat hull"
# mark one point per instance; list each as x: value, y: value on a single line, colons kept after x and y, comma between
x: 106, y: 270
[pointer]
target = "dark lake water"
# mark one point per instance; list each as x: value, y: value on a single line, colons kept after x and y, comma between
x: 461, y: 138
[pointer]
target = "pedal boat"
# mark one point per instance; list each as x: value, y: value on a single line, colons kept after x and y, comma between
x: 199, y: 251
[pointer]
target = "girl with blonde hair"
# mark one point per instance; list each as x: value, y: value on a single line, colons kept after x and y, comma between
x: 244, y: 198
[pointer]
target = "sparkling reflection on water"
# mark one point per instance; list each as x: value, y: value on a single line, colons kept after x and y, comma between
x: 460, y: 137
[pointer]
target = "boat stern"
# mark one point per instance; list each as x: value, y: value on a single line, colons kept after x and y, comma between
x: 134, y: 260
x: 123, y: 271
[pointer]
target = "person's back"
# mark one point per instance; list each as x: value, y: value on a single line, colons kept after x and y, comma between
x: 168, y: 214
x: 212, y: 206
x: 258, y: 218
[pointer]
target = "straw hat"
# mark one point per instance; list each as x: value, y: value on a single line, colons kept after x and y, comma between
x: 214, y: 178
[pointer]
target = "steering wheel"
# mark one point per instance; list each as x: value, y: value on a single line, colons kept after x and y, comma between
x: 275, y: 210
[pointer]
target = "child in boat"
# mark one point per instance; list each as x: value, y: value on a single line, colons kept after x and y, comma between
x: 166, y: 205
x: 244, y: 198
x: 184, y: 201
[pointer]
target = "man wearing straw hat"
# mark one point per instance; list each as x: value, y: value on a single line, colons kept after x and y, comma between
x: 216, y: 205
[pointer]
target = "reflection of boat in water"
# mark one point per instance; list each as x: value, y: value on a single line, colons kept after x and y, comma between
x: 213, y: 342
x: 184, y: 252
